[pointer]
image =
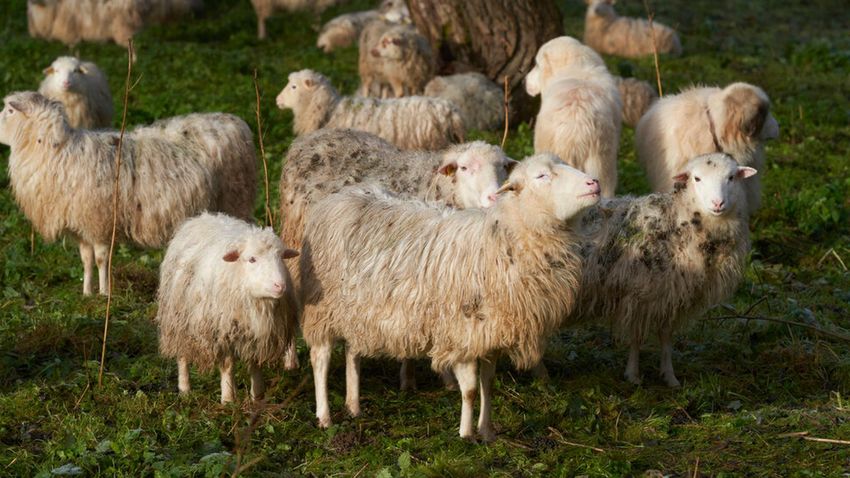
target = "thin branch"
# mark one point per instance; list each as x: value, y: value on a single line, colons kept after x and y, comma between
x: 269, y: 218
x: 565, y: 442
x: 115, y: 192
x: 650, y: 16
x: 834, y: 254
x: 507, y: 109
x: 805, y: 436
x: 783, y: 321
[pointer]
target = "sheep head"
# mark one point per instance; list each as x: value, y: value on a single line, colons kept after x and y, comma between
x: 715, y: 182
x: 477, y: 170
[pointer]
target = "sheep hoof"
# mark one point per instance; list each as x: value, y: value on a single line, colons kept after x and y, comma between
x: 633, y: 378
x: 353, y: 409
x: 672, y: 381
x: 408, y: 385
x: 324, y: 422
x: 487, y: 435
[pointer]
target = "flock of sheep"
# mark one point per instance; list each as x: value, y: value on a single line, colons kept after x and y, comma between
x: 410, y: 243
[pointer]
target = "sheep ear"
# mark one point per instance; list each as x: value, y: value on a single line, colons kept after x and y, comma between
x: 84, y: 69
x: 746, y: 172
x: 510, y: 164
x: 48, y: 71
x: 509, y: 186
x: 290, y: 253
x: 681, y: 177
x: 18, y: 106
x: 309, y: 83
x: 747, y: 113
x: 448, y: 169
x: 231, y: 256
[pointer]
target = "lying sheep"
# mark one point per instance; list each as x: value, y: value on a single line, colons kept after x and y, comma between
x: 735, y: 120
x: 406, y: 60
x: 410, y: 123
x: 611, y: 34
x: 266, y: 8
x: 321, y: 163
x: 345, y: 29
x: 480, y: 101
x: 580, y: 111
x: 637, y: 96
x: 224, y: 293
x: 63, y: 178
x: 82, y: 89
x: 404, y: 279
x: 656, y: 262
x: 72, y: 21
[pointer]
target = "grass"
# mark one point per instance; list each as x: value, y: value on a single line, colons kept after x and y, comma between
x: 745, y: 383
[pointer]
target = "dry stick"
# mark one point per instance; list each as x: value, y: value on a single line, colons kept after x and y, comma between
x: 269, y: 218
x: 654, y: 48
x: 565, y: 442
x: 805, y: 436
x: 696, y: 468
x: 783, y: 321
x: 507, y: 104
x: 115, y: 211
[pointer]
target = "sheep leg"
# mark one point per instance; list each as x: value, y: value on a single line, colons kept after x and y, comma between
x: 183, y: 375
x: 467, y: 379
x: 261, y: 27
x: 407, y: 375
x: 449, y: 380
x: 258, y: 385
x: 87, y: 256
x: 398, y: 89
x: 101, y: 257
x: 290, y: 359
x: 665, y: 337
x: 226, y: 370
x: 632, y: 370
x: 320, y: 357
x: 352, y: 381
x: 485, y: 426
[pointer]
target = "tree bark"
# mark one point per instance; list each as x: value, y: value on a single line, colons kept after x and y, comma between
x: 495, y: 37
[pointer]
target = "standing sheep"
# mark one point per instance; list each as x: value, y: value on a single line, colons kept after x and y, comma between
x: 410, y: 123
x: 82, y: 89
x: 406, y: 60
x: 656, y: 262
x: 735, y: 120
x: 611, y: 34
x: 580, y: 112
x: 637, y: 96
x: 345, y: 29
x: 63, y: 178
x: 266, y: 8
x: 480, y: 101
x: 225, y: 293
x: 403, y: 279
x: 72, y: 21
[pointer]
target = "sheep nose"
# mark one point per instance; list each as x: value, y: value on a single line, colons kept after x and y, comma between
x: 591, y: 182
x: 375, y: 53
x: 491, y: 197
x: 718, y: 203
x: 277, y: 287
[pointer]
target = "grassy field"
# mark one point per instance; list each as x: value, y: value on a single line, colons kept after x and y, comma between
x: 745, y: 383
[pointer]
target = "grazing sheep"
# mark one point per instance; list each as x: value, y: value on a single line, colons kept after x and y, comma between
x: 224, y: 293
x: 656, y: 262
x: 72, y: 21
x: 406, y: 60
x: 735, y: 120
x: 415, y: 122
x: 266, y: 8
x: 637, y: 96
x: 611, y: 34
x: 345, y: 29
x: 580, y: 111
x: 63, y: 178
x: 82, y: 89
x: 404, y: 279
x: 480, y: 101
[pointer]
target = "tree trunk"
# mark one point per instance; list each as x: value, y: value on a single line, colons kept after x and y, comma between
x: 495, y: 37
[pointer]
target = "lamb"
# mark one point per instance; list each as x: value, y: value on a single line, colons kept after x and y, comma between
x: 608, y: 33
x: 371, y: 67
x: 580, y: 112
x: 637, y: 96
x: 406, y: 60
x: 480, y: 101
x: 458, y: 287
x: 735, y: 120
x: 63, y: 178
x: 72, y: 21
x: 345, y: 29
x: 410, y: 123
x: 656, y: 262
x: 266, y: 8
x: 225, y: 293
x: 82, y: 89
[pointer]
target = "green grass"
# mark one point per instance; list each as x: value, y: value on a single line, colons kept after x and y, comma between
x: 744, y: 383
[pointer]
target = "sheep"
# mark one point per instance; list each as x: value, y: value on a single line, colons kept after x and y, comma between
x: 72, y: 21
x: 63, y: 178
x: 654, y: 263
x: 266, y: 8
x: 480, y: 101
x: 371, y: 67
x: 224, y: 293
x: 735, y: 120
x: 637, y: 96
x: 406, y: 60
x: 321, y: 163
x: 580, y: 112
x: 405, y: 279
x: 410, y: 123
x: 608, y: 33
x: 343, y: 30
x: 82, y: 89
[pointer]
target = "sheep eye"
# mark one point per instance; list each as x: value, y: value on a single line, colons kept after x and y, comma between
x: 252, y: 260
x: 731, y: 177
x: 697, y: 179
x: 293, y: 87
x: 463, y: 168
x: 78, y: 70
x: 542, y: 176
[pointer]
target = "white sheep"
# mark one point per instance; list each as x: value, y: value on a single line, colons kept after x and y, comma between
x: 410, y: 123
x: 735, y: 120
x: 345, y: 29
x: 63, y: 178
x: 654, y: 263
x: 404, y: 279
x: 82, y: 89
x: 266, y: 8
x: 580, y: 111
x: 406, y: 60
x: 371, y: 67
x: 224, y: 293
x: 72, y: 21
x: 637, y: 96
x: 611, y: 34
x: 480, y: 101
